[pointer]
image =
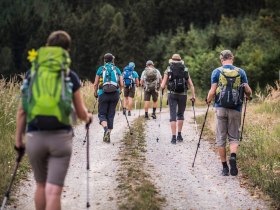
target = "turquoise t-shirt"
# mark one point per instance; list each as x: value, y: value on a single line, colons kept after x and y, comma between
x: 99, y: 73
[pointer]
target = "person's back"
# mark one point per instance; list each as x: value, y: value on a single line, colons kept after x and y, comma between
x: 150, y: 81
x: 228, y: 83
x: 107, y: 85
x: 49, y: 90
x: 131, y: 81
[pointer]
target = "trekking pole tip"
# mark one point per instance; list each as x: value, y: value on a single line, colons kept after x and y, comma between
x: 157, y: 139
x: 88, y: 205
x: 131, y: 133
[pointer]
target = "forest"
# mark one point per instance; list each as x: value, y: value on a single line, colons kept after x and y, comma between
x: 147, y: 29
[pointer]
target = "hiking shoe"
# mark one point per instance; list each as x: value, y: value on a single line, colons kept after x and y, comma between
x: 147, y: 117
x: 124, y: 111
x: 225, y: 171
x: 129, y: 113
x: 106, y: 137
x: 173, y: 140
x: 154, y: 116
x: 179, y: 138
x: 233, y: 168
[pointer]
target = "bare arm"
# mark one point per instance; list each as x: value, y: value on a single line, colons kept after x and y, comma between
x: 190, y: 83
x: 137, y: 82
x: 121, y: 82
x: 212, y: 92
x: 20, y: 126
x: 163, y: 83
x: 248, y: 90
x: 80, y: 107
x: 95, y: 84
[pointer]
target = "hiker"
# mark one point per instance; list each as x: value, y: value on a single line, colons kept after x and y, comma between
x: 178, y: 80
x: 49, y: 132
x: 107, y: 85
x: 130, y: 81
x: 150, y: 81
x: 229, y: 94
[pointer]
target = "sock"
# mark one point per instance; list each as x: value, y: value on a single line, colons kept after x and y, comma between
x: 105, y: 128
x: 233, y: 155
x: 179, y: 134
x: 225, y: 164
x: 173, y: 136
x: 146, y: 113
x: 154, y: 110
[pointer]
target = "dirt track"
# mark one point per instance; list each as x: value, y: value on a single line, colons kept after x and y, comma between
x: 170, y: 167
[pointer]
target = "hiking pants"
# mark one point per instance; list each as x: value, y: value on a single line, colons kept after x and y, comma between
x: 107, y: 103
x: 174, y: 101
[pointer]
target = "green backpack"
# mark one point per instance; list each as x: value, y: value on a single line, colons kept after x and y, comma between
x: 47, y: 93
x: 230, y: 91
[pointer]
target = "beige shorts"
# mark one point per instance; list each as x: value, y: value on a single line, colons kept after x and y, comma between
x: 49, y: 153
x: 227, y: 126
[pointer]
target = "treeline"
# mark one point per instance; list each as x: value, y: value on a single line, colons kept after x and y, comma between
x: 147, y: 29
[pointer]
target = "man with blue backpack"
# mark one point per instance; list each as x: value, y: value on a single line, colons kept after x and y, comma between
x: 130, y: 81
x: 228, y: 85
x: 107, y: 85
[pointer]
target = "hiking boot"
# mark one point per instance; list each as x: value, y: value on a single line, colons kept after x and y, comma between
x: 154, y: 116
x: 129, y: 113
x: 179, y: 138
x: 225, y: 171
x: 106, y: 137
x: 233, y: 168
x: 173, y: 140
x: 124, y: 111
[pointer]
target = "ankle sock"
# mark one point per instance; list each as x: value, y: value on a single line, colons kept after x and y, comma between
x: 233, y: 155
x: 146, y: 113
x: 105, y: 128
x: 225, y: 165
x: 179, y: 134
x: 154, y: 110
x: 173, y: 136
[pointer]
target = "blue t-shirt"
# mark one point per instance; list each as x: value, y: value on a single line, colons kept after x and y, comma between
x: 215, y: 79
x: 99, y: 73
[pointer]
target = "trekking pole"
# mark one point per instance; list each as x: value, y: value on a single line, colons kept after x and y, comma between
x: 201, y: 134
x: 94, y: 105
x: 140, y: 100
x: 7, y: 194
x: 126, y: 117
x: 160, y: 107
x: 194, y: 115
x: 87, y: 149
x: 244, y: 114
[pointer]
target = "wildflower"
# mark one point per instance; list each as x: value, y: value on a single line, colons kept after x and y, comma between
x: 32, y: 54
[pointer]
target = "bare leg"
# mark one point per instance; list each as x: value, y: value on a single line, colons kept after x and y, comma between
x: 233, y: 148
x: 173, y: 127
x: 104, y: 124
x: 154, y: 104
x: 126, y: 102
x: 146, y: 105
x: 53, y: 196
x: 130, y: 103
x: 40, y: 198
x: 180, y: 125
x: 222, y: 152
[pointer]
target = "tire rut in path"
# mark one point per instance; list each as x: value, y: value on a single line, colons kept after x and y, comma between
x: 184, y: 187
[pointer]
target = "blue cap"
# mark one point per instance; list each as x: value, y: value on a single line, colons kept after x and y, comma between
x: 131, y: 64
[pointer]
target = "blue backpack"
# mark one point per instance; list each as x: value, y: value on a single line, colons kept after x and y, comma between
x: 128, y: 76
x: 110, y: 78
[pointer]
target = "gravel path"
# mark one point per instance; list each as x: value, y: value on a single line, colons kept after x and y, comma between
x: 102, y: 175
x: 184, y: 187
x: 170, y: 167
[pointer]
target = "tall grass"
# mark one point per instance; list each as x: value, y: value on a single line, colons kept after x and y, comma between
x: 9, y: 100
x: 260, y: 150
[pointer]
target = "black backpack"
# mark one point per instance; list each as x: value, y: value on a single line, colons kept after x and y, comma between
x: 177, y: 78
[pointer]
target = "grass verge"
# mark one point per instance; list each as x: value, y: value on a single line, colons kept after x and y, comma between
x: 137, y: 191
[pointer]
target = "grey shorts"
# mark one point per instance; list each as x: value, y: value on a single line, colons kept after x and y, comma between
x: 49, y: 153
x: 129, y: 92
x: 177, y: 105
x: 148, y: 94
x: 227, y: 126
